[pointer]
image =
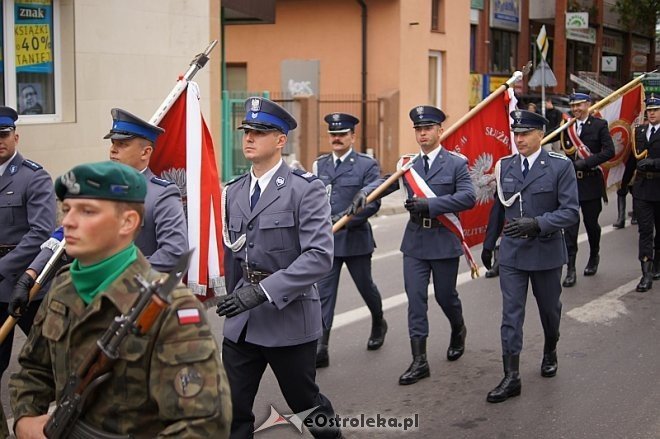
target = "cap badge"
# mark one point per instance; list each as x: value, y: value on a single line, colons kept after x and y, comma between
x: 279, y: 181
x: 419, y: 110
x: 69, y: 180
x: 255, y: 105
x: 335, y: 117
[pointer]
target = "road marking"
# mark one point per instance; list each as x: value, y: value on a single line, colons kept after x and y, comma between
x: 357, y: 314
x: 604, y: 309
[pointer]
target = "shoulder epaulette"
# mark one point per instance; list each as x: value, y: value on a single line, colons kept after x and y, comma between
x: 557, y: 155
x: 362, y: 154
x: 506, y: 157
x: 32, y: 165
x: 235, y: 179
x: 458, y: 154
x: 322, y: 156
x: 161, y: 181
x: 304, y: 174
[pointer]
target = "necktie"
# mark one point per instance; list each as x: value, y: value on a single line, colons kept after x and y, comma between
x: 525, y: 167
x: 426, y: 164
x: 337, y: 163
x: 652, y: 133
x: 255, y: 196
x: 579, y: 130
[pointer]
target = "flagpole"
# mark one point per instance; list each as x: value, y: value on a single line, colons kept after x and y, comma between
x: 600, y: 104
x: 195, y: 65
x: 376, y: 193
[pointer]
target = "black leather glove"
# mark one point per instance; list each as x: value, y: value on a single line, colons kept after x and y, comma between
x: 646, y: 164
x: 580, y: 165
x: 417, y: 205
x: 337, y: 216
x: 487, y: 258
x: 359, y: 202
x: 522, y: 227
x: 241, y: 300
x: 18, y: 302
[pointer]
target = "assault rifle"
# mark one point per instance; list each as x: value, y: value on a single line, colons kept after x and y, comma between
x: 97, y: 366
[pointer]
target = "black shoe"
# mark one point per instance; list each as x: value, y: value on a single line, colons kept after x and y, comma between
x: 420, y: 367
x: 549, y: 364
x: 510, y: 385
x: 571, y: 277
x: 592, y: 265
x: 457, y: 343
x: 656, y: 266
x: 621, y: 210
x: 633, y: 218
x: 322, y: 356
x: 378, y: 331
x: 646, y: 283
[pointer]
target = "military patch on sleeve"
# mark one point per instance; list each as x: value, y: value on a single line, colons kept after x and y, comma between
x: 161, y: 181
x: 557, y: 155
x: 304, y: 174
x: 32, y: 165
x: 235, y: 179
x: 188, y: 382
x: 188, y: 316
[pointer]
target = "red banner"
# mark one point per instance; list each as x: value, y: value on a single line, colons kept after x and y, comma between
x: 483, y: 139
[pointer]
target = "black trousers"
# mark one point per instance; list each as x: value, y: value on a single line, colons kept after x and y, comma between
x: 25, y: 323
x: 360, y: 269
x: 648, y: 221
x: 590, y: 212
x: 628, y: 173
x: 295, y: 370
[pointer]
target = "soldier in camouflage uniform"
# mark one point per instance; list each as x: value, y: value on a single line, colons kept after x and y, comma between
x: 167, y: 383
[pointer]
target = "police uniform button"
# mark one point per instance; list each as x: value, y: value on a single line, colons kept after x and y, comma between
x: 250, y: 227
x: 277, y: 223
x: 285, y: 299
x: 251, y: 244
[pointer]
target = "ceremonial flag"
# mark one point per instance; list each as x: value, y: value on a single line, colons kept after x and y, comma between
x: 184, y: 154
x: 620, y: 115
x: 483, y: 139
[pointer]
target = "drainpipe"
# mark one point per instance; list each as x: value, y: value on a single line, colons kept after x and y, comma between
x: 363, y: 141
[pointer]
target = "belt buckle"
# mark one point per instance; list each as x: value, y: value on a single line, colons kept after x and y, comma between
x: 579, y: 174
x: 426, y: 223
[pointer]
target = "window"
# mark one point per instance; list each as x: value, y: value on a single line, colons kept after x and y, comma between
x: 435, y: 79
x: 504, y: 53
x: 437, y: 16
x: 30, y: 58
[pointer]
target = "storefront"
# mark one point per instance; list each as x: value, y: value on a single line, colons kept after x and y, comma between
x: 612, y: 60
x: 504, y: 31
x: 579, y: 53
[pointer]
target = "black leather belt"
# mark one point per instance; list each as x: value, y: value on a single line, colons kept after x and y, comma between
x: 648, y: 175
x: 425, y: 222
x: 582, y: 174
x: 254, y: 276
x: 5, y: 249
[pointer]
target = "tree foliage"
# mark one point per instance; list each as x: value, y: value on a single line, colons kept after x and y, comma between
x: 641, y: 15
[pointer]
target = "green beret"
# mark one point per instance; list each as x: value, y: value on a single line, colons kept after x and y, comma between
x: 104, y: 180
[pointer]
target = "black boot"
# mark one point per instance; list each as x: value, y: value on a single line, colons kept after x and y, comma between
x: 621, y: 217
x: 322, y: 357
x: 570, y: 278
x: 646, y: 282
x: 378, y: 330
x: 495, y: 269
x: 592, y: 265
x: 420, y: 367
x: 656, y: 265
x: 457, y: 342
x: 633, y: 218
x: 549, y: 364
x: 509, y: 386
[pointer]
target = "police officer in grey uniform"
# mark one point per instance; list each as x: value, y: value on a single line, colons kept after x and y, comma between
x: 279, y: 244
x: 594, y: 133
x: 344, y: 172
x: 430, y: 248
x: 27, y: 218
x: 646, y: 193
x: 537, y: 190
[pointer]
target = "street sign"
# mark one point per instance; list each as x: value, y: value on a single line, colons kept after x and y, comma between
x: 537, y: 79
x: 542, y: 42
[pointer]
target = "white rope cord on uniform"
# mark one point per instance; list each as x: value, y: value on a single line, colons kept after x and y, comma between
x: 240, y: 242
x: 500, y: 194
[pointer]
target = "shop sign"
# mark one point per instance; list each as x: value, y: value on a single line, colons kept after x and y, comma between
x: 577, y: 20
x: 505, y: 14
x: 584, y: 35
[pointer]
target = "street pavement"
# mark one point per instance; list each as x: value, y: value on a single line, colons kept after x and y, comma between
x: 606, y: 386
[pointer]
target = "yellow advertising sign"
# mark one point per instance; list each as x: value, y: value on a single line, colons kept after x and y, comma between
x: 33, y: 45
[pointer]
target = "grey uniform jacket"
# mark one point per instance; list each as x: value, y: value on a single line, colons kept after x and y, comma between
x: 164, y: 235
x: 27, y: 218
x: 355, y: 172
x: 549, y: 194
x: 289, y: 235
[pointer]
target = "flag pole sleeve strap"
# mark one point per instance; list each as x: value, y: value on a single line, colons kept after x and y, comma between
x: 197, y: 63
x: 373, y: 196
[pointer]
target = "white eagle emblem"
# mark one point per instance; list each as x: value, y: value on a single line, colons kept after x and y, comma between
x: 335, y: 117
x: 419, y: 110
x: 255, y: 105
x: 69, y: 180
x: 484, y: 182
